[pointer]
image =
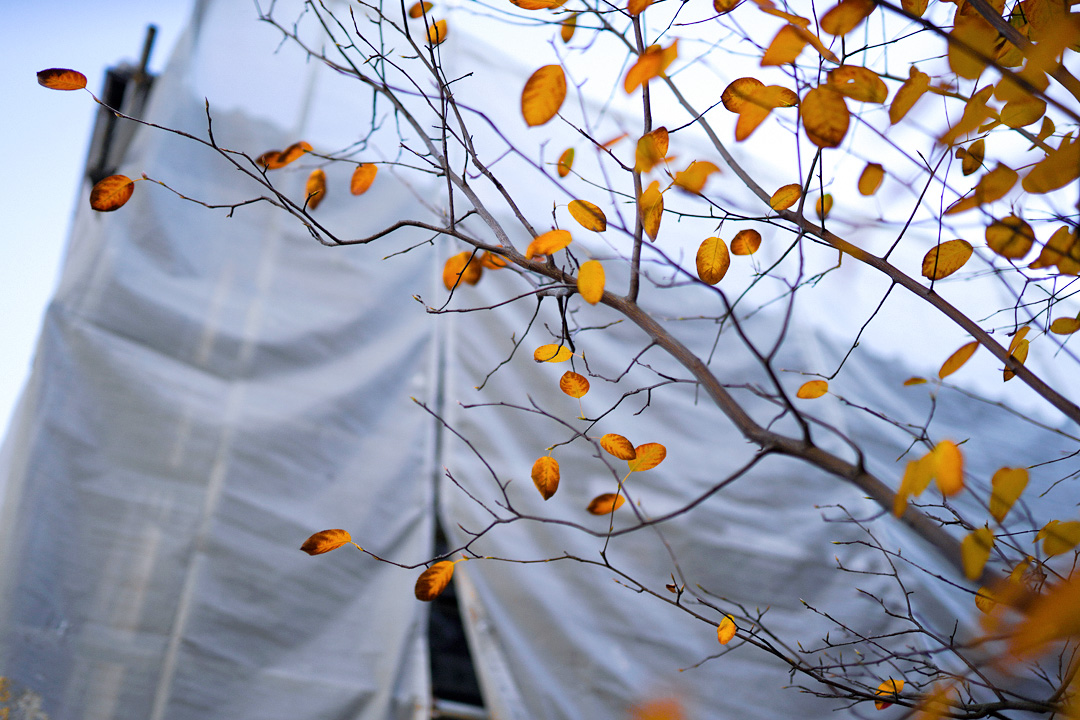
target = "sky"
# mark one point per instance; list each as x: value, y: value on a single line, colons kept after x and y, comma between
x: 46, y: 134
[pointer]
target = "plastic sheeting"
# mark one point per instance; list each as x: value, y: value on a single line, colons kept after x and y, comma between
x: 209, y: 390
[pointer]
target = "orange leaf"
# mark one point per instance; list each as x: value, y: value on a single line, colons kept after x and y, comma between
x: 636, y: 7
x: 437, y: 33
x: 548, y: 243
x: 745, y: 242
x: 461, y: 268
x: 1010, y: 237
x: 825, y: 116
x: 552, y: 353
x: 590, y: 281
x: 823, y: 205
x: 651, y: 150
x: 975, y: 113
x: 1007, y: 484
x: 1051, y: 616
x: 914, y: 381
x: 909, y: 93
x: 650, y: 64
x: 543, y: 95
x: 651, y: 207
x: 1058, y: 169
x: 538, y: 4
x: 589, y: 216
x: 315, y: 188
x: 325, y: 541
x: 1059, y: 537
x: 566, y: 162
x: 1065, y: 326
x: 957, y: 359
x: 293, y: 152
x: 271, y: 160
x: 948, y: 465
x: 1019, y: 352
x: 943, y: 260
x: 785, y: 197
x: 111, y: 193
x: 858, y: 83
x: 574, y: 385
x: 419, y: 9
x: 362, y: 177
x: 61, y: 79
x: 618, y: 446
x: 725, y: 631
x: 994, y: 185
x: 812, y: 389
x: 646, y: 456
x: 871, y: 178
x: 567, y: 28
x: 713, y: 260
x: 975, y: 551
x: 492, y: 261
x: 1061, y: 250
x: 694, y: 177
x: 971, y: 158
x: 605, y: 504
x: 785, y: 47
x: 433, y: 581
x: 890, y: 689
x: 545, y: 475
x: 753, y: 101
x: 846, y: 16
x: 723, y: 7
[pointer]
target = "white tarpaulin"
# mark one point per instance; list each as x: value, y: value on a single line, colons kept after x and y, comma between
x: 212, y: 387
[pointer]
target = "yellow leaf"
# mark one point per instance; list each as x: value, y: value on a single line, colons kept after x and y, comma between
x: 975, y: 551
x: 1051, y: 616
x: 713, y: 260
x: 1065, y: 326
x: 461, y: 268
x: 909, y: 93
x: 545, y: 475
x: 914, y: 381
x: 825, y: 116
x: 970, y: 30
x: 548, y: 243
x: 785, y: 47
x: 543, y: 95
x: 1007, y: 485
x: 433, y: 581
x: 917, y: 477
x: 418, y: 10
x: 1059, y: 537
x: 1010, y: 237
x: 574, y: 385
x: 651, y: 150
x: 567, y: 28
x: 753, y: 101
x: 870, y: 179
x: 274, y: 159
x: 552, y: 353
x: 994, y: 185
x: 745, y: 242
x: 362, y: 177
x: 888, y: 689
x: 1018, y: 337
x: 823, y: 205
x: 325, y: 541
x: 111, y: 193
x: 858, y: 83
x: 61, y: 79
x: 1061, y: 250
x: 984, y: 600
x: 492, y: 261
x: 566, y: 162
x: 636, y: 7
x: 846, y: 16
x: 694, y: 177
x: 590, y: 281
x: 315, y: 188
x: 1021, y: 113
x: 605, y: 504
x: 943, y: 260
x: 812, y: 389
x: 650, y: 64
x: 785, y: 197
x: 588, y: 215
x: 437, y: 32
x: 618, y: 446
x: 538, y: 4
x: 971, y: 158
x: 725, y: 631
x: 1059, y: 168
x: 646, y: 456
x: 948, y: 465
x: 651, y: 207
x: 723, y: 7
x: 957, y: 359
x: 975, y: 113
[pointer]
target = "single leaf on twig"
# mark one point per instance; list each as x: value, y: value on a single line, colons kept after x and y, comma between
x: 315, y: 188
x: 957, y: 359
x: 111, y: 193
x: 812, y: 389
x: 362, y: 177
x: 590, y: 281
x: 548, y: 243
x: 325, y: 541
x: 647, y: 456
x: 545, y: 475
x: 943, y: 260
x: 713, y: 260
x: 725, y: 631
x: 605, y: 504
x: 589, y: 216
x: 543, y: 95
x: 433, y: 581
x: 552, y: 353
x: 61, y: 79
x: 618, y: 446
x: 573, y: 384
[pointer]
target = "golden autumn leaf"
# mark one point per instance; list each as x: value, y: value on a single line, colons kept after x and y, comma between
x: 567, y: 27
x: 419, y: 9
x: 723, y: 7
x: 785, y: 197
x: 548, y: 243
x: 437, y: 32
x: 1059, y: 537
x: 1018, y: 337
x: 912, y: 381
x: 271, y: 160
x: 538, y: 4
x: 315, y: 188
x: 846, y: 16
x: 646, y: 456
x: 858, y: 83
x: 1051, y: 616
x: 785, y: 47
x: 917, y: 477
x: 975, y: 114
x: 725, y: 631
x: 589, y: 216
x: 957, y: 359
x: 871, y: 178
x: 985, y: 600
x: 1065, y: 326
x: 694, y: 177
x: 552, y: 353
x: 1007, y: 485
x: 971, y: 158
x: 943, y: 260
x: 948, y: 467
x: 713, y: 260
x: 325, y: 541
x: 752, y: 100
x: 650, y: 64
x: 992, y: 186
x: 888, y: 689
x: 1010, y: 237
x: 111, y: 193
x: 745, y: 242
x: 812, y: 389
x: 566, y: 162
x: 61, y: 79
x: 915, y: 7
x: 1062, y: 250
x: 493, y: 261
x: 294, y: 152
x: 618, y: 446
x: 1024, y: 112
x: 665, y: 708
x: 1059, y: 168
x: 909, y: 93
x: 825, y: 116
x: 636, y: 7
x: 651, y: 150
x: 545, y: 476
x: 543, y: 95
x: 461, y: 268
x: 433, y: 581
x: 975, y: 551
x: 651, y: 209
x: 823, y: 205
x: 605, y: 504
x: 590, y: 281
x: 362, y: 177
x: 573, y: 384
x: 970, y: 30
